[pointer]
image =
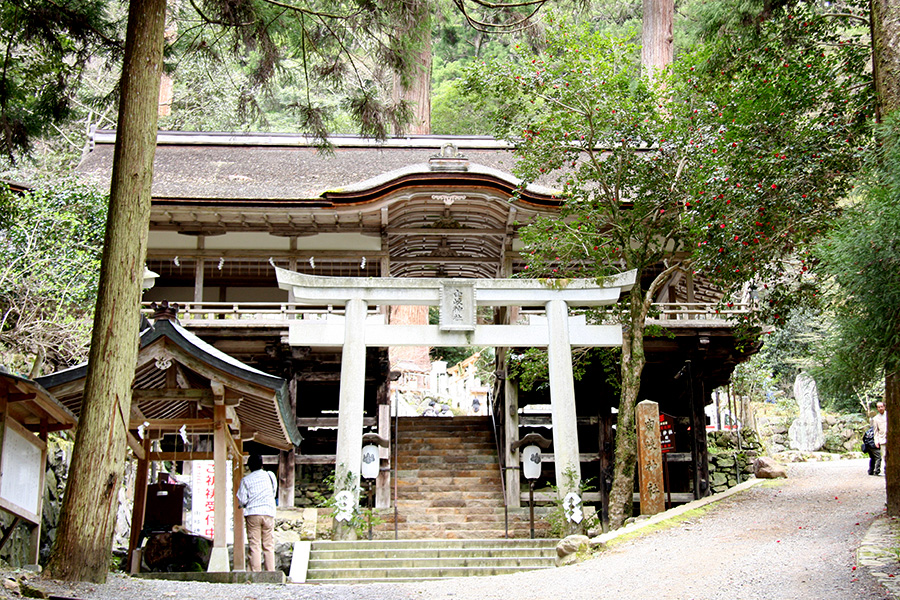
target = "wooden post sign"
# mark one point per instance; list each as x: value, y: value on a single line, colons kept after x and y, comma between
x: 650, y: 458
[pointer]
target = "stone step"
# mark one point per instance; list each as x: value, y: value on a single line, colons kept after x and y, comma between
x: 425, y: 492
x: 497, y: 552
x: 450, y: 477
x: 430, y: 545
x: 325, y: 565
x: 409, y: 573
x: 416, y: 533
x: 416, y: 560
x: 463, y: 456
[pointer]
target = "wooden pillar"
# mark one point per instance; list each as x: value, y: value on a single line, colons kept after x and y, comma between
x: 650, y: 467
x: 34, y: 552
x: 198, y: 270
x: 511, y: 428
x: 287, y: 459
x: 607, y: 443
x: 350, y: 410
x: 142, y: 472
x: 218, y: 559
x: 383, y: 483
x: 699, y: 451
x: 237, y: 473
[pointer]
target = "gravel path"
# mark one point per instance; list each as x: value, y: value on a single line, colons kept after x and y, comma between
x: 790, y: 539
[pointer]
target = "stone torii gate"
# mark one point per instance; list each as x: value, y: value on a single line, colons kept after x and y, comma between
x: 457, y: 300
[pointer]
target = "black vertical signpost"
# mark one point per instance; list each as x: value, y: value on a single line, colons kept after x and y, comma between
x: 667, y: 444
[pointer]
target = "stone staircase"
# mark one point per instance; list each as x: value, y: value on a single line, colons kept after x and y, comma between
x: 374, y: 561
x: 448, y: 484
x: 450, y: 517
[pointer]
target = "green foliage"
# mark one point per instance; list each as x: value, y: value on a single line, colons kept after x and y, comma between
x: 559, y: 525
x: 529, y: 368
x: 780, y: 133
x: 362, y: 516
x: 49, y: 268
x: 744, y: 165
x: 47, y: 46
x: 861, y: 258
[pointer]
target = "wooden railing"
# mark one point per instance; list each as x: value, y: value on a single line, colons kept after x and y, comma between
x: 267, y: 314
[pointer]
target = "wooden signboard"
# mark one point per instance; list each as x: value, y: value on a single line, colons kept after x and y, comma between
x: 22, y: 472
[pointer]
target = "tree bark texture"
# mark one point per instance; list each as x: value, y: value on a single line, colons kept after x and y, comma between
x: 417, y: 91
x: 633, y: 360
x: 82, y: 549
x: 891, y: 464
x: 885, y: 15
x: 885, y: 23
x: 657, y: 47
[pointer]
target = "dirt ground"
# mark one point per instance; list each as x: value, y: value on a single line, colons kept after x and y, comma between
x: 787, y: 539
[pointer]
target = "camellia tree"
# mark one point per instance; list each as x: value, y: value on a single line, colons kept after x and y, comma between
x: 727, y: 173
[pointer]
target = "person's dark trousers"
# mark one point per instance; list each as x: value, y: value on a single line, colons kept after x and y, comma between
x: 874, y: 461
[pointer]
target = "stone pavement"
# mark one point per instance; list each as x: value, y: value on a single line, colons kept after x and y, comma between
x: 879, y: 553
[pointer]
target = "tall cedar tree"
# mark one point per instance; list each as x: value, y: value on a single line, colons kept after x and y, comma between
x: 87, y: 520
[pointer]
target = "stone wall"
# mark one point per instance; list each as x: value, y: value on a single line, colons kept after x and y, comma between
x: 312, y: 485
x: 843, y: 432
x: 730, y: 465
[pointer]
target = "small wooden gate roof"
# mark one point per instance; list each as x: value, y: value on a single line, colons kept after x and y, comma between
x: 31, y: 405
x: 177, y: 380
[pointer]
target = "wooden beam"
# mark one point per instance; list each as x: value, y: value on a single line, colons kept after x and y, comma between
x: 303, y: 459
x: 180, y: 455
x: 330, y: 422
x: 175, y: 424
x: 171, y: 395
x: 36, y: 427
x: 135, y: 445
x: 20, y: 397
x: 428, y: 231
x: 537, y: 420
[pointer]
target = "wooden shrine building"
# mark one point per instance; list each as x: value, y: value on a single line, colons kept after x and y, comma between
x: 229, y: 210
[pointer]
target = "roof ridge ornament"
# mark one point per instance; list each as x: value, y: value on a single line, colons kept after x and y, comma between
x: 164, y: 311
x: 449, y: 159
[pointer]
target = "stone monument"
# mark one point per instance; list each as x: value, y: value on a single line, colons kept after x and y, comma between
x: 806, y: 431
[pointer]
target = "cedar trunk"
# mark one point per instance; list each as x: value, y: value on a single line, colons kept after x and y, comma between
x: 657, y: 47
x: 84, y: 537
x: 885, y: 19
x: 892, y: 448
x: 417, y: 90
x: 885, y: 22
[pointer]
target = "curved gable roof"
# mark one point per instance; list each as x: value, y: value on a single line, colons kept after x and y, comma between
x: 264, y: 406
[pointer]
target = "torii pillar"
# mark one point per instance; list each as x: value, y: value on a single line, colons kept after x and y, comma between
x: 562, y: 400
x: 350, y: 408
